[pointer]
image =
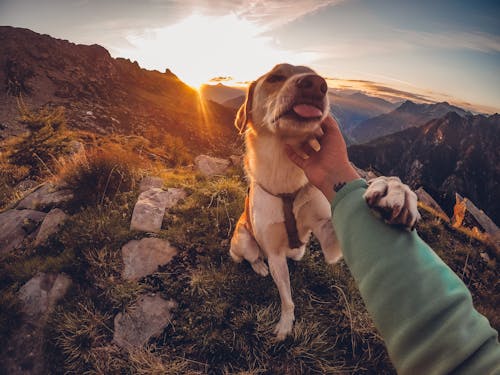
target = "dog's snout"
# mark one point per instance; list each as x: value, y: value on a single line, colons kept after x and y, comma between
x: 312, y: 84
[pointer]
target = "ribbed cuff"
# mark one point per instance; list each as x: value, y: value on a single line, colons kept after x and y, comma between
x: 349, y: 187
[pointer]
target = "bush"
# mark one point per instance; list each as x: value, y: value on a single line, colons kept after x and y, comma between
x: 99, y: 176
x: 44, y: 142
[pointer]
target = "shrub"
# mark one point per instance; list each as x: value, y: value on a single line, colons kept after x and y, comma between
x: 99, y: 176
x: 45, y: 140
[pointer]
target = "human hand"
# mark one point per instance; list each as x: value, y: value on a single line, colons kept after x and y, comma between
x: 329, y: 168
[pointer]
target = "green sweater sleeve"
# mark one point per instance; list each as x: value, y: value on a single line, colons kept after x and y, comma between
x: 422, y: 309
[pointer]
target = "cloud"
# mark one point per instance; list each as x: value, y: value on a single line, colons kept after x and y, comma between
x: 267, y: 13
x: 460, y: 40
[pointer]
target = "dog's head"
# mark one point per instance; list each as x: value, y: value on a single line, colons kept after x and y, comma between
x: 289, y: 101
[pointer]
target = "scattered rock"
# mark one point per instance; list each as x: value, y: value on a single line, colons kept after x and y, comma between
x: 141, y: 258
x: 426, y: 199
x: 236, y: 160
x: 50, y: 225
x: 75, y: 147
x: 23, y: 353
x: 150, y: 182
x: 147, y: 318
x: 150, y: 208
x: 174, y: 196
x: 25, y: 185
x: 15, y: 226
x: 210, y: 166
x: 41, y: 293
x: 46, y: 197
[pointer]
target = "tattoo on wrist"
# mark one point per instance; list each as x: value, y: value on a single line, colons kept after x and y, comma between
x: 338, y: 186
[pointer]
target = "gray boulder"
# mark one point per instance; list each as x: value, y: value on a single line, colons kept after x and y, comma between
x: 150, y: 208
x: 210, y: 166
x: 41, y: 293
x: 50, y: 225
x: 142, y: 258
x: 16, y: 225
x: 44, y: 198
x: 145, y: 319
x: 150, y: 182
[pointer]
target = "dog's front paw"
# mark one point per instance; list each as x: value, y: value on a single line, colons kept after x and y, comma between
x: 283, y: 328
x: 394, y: 200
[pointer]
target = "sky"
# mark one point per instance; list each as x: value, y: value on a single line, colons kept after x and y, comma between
x: 430, y: 50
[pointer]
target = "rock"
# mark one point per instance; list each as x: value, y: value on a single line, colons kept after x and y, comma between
x: 174, y: 196
x: 50, y: 225
x: 141, y: 258
x: 465, y: 213
x: 428, y: 201
x: 16, y: 225
x: 46, y: 197
x: 145, y: 319
x: 150, y: 208
x: 75, y: 147
x: 210, y: 166
x: 25, y: 185
x: 23, y: 353
x: 41, y: 293
x: 236, y: 160
x: 150, y: 182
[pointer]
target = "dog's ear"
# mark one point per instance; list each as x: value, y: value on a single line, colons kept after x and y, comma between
x: 244, y: 114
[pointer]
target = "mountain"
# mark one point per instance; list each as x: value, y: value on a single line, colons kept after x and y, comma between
x: 448, y: 155
x: 103, y: 94
x: 235, y: 102
x: 220, y: 93
x: 407, y: 115
x: 352, y: 109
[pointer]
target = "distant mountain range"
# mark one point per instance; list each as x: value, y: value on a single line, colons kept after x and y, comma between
x: 446, y: 155
x: 405, y: 116
x: 103, y: 94
x: 221, y: 93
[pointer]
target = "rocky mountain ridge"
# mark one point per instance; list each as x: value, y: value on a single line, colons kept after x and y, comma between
x: 448, y: 155
x: 407, y: 115
x: 103, y: 94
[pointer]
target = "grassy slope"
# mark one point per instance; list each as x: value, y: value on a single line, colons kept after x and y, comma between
x: 226, y: 312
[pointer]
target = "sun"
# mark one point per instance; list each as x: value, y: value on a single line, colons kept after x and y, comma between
x: 200, y: 47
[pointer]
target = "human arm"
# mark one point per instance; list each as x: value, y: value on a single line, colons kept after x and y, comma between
x: 422, y: 309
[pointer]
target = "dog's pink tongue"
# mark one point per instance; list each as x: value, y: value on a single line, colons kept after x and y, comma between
x: 306, y: 110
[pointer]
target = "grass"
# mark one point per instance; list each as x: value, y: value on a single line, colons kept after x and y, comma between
x: 226, y: 313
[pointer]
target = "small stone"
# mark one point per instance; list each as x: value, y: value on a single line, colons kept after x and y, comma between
x: 142, y: 258
x: 150, y: 182
x: 50, y: 225
x: 41, y: 293
x: 145, y: 319
x: 46, y: 197
x: 210, y: 166
x: 15, y: 226
x: 149, y: 210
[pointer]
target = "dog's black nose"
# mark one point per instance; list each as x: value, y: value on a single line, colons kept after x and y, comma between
x: 312, y: 84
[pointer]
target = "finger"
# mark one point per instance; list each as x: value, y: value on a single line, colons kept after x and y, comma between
x: 307, y: 149
x: 313, y: 142
x: 329, y: 125
x: 294, y: 157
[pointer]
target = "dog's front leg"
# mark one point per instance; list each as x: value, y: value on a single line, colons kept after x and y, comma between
x: 279, y: 271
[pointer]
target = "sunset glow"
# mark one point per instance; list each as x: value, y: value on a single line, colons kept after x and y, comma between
x: 200, y: 47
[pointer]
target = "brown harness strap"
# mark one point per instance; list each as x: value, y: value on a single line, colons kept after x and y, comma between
x: 290, y: 221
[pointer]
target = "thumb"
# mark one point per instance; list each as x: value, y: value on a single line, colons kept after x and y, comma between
x: 294, y: 157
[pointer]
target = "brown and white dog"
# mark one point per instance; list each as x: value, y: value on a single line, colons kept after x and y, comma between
x: 287, y: 106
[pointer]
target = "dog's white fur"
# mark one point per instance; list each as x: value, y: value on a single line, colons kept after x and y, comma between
x: 269, y: 123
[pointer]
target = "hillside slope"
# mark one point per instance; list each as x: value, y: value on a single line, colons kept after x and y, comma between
x: 407, y: 115
x: 447, y: 155
x: 103, y: 94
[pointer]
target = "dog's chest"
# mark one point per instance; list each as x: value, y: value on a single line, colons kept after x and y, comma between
x: 269, y: 165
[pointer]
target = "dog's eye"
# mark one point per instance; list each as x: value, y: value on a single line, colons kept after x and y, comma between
x: 275, y: 78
